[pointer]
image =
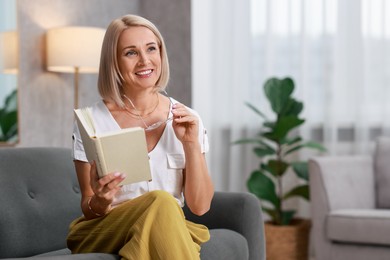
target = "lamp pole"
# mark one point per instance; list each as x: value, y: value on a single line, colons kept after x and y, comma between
x: 76, y: 87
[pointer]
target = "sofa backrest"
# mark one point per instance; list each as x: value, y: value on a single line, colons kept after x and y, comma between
x: 39, y: 197
x: 382, y: 172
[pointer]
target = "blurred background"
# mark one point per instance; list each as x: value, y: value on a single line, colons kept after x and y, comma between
x: 221, y: 52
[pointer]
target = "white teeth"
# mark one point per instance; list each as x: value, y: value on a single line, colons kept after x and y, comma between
x: 144, y: 72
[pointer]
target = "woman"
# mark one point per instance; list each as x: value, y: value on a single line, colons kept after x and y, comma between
x: 142, y: 220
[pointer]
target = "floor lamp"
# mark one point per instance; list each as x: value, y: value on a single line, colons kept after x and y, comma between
x: 74, y: 50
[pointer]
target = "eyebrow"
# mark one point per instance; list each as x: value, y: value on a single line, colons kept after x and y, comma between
x: 133, y: 46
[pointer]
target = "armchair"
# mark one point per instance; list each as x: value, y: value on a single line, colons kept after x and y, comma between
x: 350, y: 205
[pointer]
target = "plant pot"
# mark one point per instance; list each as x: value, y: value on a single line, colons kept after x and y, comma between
x: 288, y: 242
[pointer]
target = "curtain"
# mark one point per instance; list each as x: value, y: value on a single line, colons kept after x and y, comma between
x: 336, y: 51
x: 221, y: 43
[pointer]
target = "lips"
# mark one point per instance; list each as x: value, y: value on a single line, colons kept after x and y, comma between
x: 144, y: 72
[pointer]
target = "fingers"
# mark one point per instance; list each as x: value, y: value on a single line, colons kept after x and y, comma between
x: 179, y: 109
x: 107, y: 186
x: 182, y: 115
x: 111, y: 182
x: 93, y: 173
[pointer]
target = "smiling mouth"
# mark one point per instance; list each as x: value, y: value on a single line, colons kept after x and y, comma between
x: 144, y: 72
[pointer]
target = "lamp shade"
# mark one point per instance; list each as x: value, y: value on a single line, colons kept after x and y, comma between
x: 9, y: 52
x: 74, y: 47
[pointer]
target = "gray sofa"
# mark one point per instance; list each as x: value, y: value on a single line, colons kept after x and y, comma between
x: 350, y: 205
x: 40, y: 196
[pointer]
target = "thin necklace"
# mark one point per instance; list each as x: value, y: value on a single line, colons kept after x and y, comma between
x: 155, y: 125
x: 138, y: 113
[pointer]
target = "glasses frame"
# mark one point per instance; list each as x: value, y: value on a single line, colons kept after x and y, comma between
x: 156, y: 125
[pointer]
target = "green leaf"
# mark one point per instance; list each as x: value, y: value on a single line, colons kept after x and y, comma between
x: 272, y: 213
x: 286, y: 124
x: 264, y: 151
x: 278, y: 92
x: 265, y: 144
x: 254, y: 109
x: 295, y: 148
x: 247, y: 141
x: 266, y: 168
x: 284, y: 219
x: 9, y: 117
x: 276, y: 167
x: 269, y: 124
x: 301, y: 169
x: 314, y: 145
x: 8, y: 123
x: 291, y: 141
x: 263, y: 187
x: 300, y: 191
x: 292, y: 108
x: 10, y: 103
x: 282, y: 127
x: 309, y: 144
x: 287, y: 216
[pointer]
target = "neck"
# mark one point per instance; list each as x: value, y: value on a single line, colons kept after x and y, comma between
x: 142, y: 101
x: 135, y: 111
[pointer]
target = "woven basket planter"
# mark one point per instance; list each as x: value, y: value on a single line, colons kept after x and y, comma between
x: 288, y: 242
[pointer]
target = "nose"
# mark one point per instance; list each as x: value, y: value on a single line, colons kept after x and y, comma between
x: 143, y: 59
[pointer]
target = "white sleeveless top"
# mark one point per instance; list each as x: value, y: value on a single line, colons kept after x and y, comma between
x: 167, y: 159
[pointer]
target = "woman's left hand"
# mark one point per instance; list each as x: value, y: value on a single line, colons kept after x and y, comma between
x: 185, y: 124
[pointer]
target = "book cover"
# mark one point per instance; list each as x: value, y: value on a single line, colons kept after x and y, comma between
x: 124, y: 150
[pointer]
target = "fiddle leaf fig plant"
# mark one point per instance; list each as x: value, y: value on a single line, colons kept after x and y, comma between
x: 9, y: 119
x: 274, y: 144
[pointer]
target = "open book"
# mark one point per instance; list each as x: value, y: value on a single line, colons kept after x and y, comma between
x: 123, y: 151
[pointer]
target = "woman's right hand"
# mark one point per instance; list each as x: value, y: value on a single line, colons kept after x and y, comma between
x: 104, y: 189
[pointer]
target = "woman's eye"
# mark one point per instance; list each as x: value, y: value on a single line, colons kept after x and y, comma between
x: 152, y: 48
x: 131, y: 53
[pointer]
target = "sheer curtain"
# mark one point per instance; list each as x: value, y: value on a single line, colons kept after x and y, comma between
x: 337, y: 52
x: 221, y: 42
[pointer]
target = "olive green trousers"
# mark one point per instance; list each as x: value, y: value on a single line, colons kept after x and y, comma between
x: 151, y: 226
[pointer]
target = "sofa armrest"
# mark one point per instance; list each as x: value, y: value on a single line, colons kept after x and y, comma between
x: 240, y: 212
x: 337, y: 183
x: 346, y: 181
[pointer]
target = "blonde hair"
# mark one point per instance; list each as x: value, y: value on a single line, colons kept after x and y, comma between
x: 110, y: 78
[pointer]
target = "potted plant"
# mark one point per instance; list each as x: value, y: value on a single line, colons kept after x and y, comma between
x: 274, y: 145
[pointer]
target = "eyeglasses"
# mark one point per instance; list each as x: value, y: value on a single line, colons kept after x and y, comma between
x: 154, y: 125
x: 159, y: 123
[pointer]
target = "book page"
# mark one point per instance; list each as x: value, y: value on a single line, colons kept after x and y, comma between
x: 87, y: 115
x: 91, y: 146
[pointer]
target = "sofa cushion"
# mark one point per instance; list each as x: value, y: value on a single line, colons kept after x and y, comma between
x: 91, y: 256
x: 65, y: 253
x: 367, y: 226
x: 382, y: 172
x: 224, y: 244
x: 39, y: 197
